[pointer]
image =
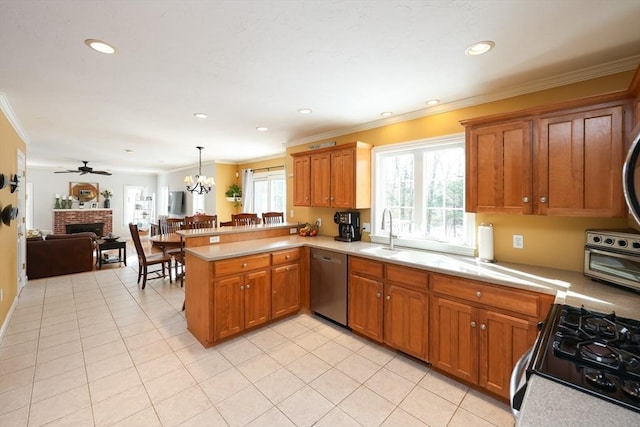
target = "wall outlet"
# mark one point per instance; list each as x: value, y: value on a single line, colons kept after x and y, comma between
x: 1, y: 294
x: 319, y: 222
x: 214, y: 239
x: 518, y: 241
x: 291, y: 214
x: 366, y: 227
x: 293, y: 231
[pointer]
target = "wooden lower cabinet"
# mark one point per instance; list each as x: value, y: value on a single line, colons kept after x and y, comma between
x: 503, y: 339
x: 365, y: 306
x: 225, y: 297
x: 241, y: 302
x: 406, y: 320
x: 285, y: 290
x: 453, y: 343
x: 474, y: 337
x: 387, y: 310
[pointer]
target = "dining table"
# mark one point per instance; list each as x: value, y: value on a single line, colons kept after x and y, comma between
x: 165, y: 242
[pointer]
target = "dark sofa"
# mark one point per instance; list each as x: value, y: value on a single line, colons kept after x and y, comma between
x: 60, y: 254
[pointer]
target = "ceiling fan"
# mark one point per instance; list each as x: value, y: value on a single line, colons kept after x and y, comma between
x: 84, y: 170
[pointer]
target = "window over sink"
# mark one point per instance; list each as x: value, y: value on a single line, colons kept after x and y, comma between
x: 422, y: 184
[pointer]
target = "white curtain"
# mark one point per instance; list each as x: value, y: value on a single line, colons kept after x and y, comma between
x: 247, y: 191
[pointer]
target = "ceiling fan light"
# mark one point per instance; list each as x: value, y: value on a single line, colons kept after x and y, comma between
x: 100, y: 46
x: 480, y: 48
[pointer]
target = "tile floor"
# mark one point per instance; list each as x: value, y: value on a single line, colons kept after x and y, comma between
x: 93, y: 349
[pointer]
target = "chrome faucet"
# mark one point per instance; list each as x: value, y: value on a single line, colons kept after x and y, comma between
x: 391, y: 235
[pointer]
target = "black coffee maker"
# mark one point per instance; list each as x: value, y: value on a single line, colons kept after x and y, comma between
x: 348, y: 226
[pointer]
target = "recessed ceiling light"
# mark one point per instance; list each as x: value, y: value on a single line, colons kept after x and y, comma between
x: 200, y: 115
x: 479, y: 48
x: 386, y: 114
x: 304, y: 111
x: 100, y: 46
x: 262, y: 128
x: 432, y: 102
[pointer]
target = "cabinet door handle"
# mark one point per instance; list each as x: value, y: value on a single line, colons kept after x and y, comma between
x: 525, y: 200
x: 244, y: 265
x: 543, y: 199
x: 286, y: 257
x: 478, y: 294
x: 388, y: 297
x: 483, y: 327
x: 248, y: 286
x: 473, y: 324
x: 242, y: 287
x: 378, y: 295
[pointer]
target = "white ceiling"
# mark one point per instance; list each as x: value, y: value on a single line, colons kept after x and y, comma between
x: 255, y: 63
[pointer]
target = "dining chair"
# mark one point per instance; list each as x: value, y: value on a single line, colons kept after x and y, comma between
x: 146, y: 260
x: 200, y: 221
x: 245, y: 219
x: 170, y: 225
x: 273, y: 217
x: 226, y: 223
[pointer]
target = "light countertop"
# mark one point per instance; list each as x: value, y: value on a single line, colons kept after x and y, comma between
x: 542, y: 396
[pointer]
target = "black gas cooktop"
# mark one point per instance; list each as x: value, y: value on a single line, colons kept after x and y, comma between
x: 596, y: 353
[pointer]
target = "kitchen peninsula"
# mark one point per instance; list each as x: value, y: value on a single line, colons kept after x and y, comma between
x: 239, y: 286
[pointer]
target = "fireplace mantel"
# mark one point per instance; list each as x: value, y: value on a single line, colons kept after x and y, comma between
x: 62, y: 217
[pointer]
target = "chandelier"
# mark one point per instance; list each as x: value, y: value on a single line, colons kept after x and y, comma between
x: 199, y: 184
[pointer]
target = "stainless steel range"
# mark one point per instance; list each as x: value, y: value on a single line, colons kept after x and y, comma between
x: 593, y: 352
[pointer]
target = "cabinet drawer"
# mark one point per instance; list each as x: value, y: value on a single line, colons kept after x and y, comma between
x: 282, y: 257
x: 521, y: 302
x: 241, y: 264
x: 365, y: 267
x: 408, y: 276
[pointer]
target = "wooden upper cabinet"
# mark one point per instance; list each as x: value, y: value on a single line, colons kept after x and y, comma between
x: 579, y: 161
x: 321, y: 179
x: 498, y: 177
x: 339, y: 177
x: 302, y: 187
x: 563, y: 160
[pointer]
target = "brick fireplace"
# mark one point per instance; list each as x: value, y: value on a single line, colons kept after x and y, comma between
x: 64, y: 217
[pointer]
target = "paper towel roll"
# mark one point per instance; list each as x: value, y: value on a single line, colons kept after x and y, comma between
x: 485, y: 242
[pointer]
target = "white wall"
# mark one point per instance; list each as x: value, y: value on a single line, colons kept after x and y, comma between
x: 175, y: 181
x: 46, y: 184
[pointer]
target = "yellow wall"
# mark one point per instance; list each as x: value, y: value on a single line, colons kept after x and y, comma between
x: 225, y: 176
x: 548, y: 241
x: 10, y: 142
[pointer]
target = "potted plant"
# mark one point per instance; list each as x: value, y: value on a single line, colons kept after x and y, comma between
x: 234, y: 194
x: 107, y: 195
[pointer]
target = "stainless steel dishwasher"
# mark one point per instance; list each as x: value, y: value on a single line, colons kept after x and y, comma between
x: 329, y: 285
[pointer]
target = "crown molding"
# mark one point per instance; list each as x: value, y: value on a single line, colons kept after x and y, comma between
x: 583, y: 74
x: 6, y: 109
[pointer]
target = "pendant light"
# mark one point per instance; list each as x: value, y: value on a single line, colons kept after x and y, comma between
x: 199, y: 184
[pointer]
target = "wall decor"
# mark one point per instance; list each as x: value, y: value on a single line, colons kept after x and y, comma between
x: 8, y: 213
x: 15, y: 181
x: 84, y: 191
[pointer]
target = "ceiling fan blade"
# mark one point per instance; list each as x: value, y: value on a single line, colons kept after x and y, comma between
x: 67, y: 171
x: 102, y: 172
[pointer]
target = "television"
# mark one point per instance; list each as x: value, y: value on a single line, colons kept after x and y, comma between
x: 176, y: 202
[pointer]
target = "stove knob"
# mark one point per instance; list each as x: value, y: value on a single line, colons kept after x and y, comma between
x: 608, y: 241
x: 636, y: 245
x: 622, y: 243
x: 597, y: 239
